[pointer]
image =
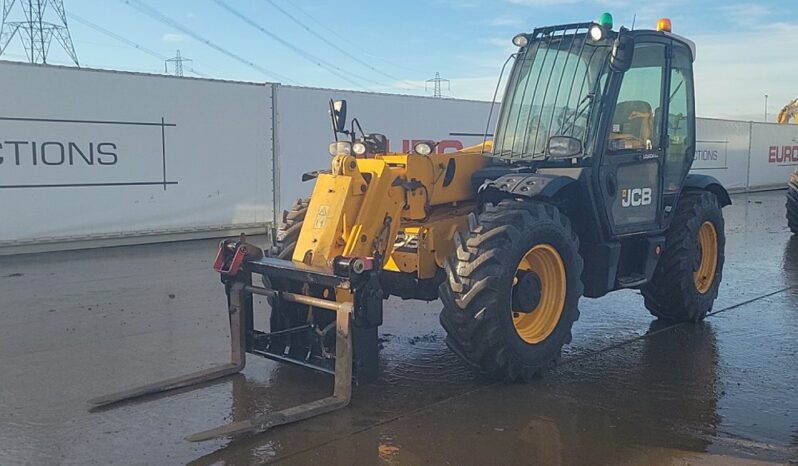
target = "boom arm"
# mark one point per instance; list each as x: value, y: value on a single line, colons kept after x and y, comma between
x: 359, y: 207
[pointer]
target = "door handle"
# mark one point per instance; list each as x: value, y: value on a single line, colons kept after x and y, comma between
x: 612, y: 185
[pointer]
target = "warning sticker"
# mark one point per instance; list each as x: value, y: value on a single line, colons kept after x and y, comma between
x: 321, y: 217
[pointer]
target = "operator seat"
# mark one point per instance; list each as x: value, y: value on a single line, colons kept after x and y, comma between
x: 632, y: 125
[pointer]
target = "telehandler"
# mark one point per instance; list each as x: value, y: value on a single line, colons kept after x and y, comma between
x: 584, y: 190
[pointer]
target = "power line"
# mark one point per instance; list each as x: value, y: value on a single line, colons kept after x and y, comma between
x: 116, y: 36
x: 336, y: 47
x: 160, y: 17
x: 348, y: 40
x: 304, y: 54
x: 125, y: 40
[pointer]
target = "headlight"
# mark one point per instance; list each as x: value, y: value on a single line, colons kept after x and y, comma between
x: 341, y: 148
x: 563, y: 147
x: 423, y: 147
x: 359, y: 148
x: 596, y: 32
x: 520, y: 40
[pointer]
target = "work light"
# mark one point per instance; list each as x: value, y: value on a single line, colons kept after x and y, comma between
x: 359, y: 148
x: 341, y: 148
x: 423, y: 147
x: 520, y: 40
x: 596, y: 32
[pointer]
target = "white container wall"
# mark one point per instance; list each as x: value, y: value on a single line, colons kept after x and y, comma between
x: 722, y: 151
x: 774, y: 155
x: 89, y: 158
x: 96, y: 154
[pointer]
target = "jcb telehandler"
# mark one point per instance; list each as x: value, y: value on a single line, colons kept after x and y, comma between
x: 584, y: 190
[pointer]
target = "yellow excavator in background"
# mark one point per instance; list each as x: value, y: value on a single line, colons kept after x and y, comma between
x: 790, y: 114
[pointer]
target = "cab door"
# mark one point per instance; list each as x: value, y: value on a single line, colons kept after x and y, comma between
x: 630, y: 175
x: 679, y: 127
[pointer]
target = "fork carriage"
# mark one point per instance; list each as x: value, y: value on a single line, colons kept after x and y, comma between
x: 237, y: 263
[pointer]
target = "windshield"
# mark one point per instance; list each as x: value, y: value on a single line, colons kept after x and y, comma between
x: 551, y: 92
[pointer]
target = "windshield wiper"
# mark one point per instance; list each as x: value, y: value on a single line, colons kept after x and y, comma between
x: 581, y: 108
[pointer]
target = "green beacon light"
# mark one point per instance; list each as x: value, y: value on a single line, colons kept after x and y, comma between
x: 605, y: 20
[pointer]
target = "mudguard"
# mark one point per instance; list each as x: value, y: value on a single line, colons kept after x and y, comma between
x: 708, y: 183
x: 526, y: 185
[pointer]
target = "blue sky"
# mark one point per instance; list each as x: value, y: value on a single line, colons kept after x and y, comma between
x: 745, y: 49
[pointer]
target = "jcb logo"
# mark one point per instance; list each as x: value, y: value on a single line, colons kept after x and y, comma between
x: 635, y: 197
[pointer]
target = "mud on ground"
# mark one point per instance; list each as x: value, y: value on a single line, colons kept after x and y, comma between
x: 630, y: 390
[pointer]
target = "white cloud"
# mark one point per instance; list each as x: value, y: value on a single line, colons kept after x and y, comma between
x: 173, y: 38
x: 460, y: 4
x: 734, y: 71
x: 610, y: 3
x: 746, y: 11
x: 477, y: 88
x: 503, y: 42
x: 543, y: 2
x: 506, y: 20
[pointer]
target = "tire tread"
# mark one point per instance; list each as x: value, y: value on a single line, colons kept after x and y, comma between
x: 474, y: 332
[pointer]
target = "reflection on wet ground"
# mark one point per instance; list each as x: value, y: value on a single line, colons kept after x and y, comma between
x: 629, y: 391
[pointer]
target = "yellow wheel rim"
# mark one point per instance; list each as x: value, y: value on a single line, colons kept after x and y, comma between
x: 546, y: 263
x: 708, y: 262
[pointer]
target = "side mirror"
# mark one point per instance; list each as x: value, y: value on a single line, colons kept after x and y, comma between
x: 338, y: 115
x: 623, y: 50
x: 564, y: 147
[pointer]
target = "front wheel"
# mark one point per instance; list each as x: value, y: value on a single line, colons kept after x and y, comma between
x: 792, y: 203
x: 512, y: 289
x: 686, y: 280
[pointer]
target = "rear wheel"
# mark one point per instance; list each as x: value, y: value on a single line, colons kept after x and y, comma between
x: 792, y: 203
x: 512, y: 289
x: 686, y: 280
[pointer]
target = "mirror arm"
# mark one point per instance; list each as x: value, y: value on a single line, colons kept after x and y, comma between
x: 332, y: 120
x: 353, y: 133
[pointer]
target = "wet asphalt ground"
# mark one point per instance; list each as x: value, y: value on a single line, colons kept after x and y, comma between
x: 630, y: 390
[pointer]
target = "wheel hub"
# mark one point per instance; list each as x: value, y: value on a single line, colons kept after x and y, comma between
x: 526, y: 292
x: 706, y: 261
x: 538, y: 294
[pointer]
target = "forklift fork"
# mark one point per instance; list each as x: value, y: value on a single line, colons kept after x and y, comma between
x: 240, y: 293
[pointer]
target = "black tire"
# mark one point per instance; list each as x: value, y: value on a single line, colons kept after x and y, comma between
x: 672, y: 293
x: 291, y: 314
x: 792, y: 203
x: 288, y: 231
x: 477, y: 311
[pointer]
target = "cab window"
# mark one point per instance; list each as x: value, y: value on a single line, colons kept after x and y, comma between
x: 681, y: 140
x: 633, y: 125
